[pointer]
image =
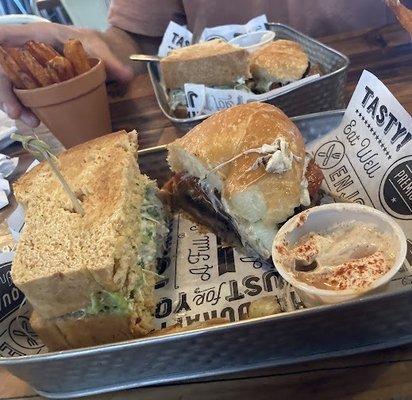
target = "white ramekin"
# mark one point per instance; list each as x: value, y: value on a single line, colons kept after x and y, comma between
x: 253, y: 40
x: 318, y: 219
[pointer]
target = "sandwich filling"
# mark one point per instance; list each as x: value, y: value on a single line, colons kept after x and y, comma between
x: 203, y: 201
x: 177, y: 97
x: 266, y: 83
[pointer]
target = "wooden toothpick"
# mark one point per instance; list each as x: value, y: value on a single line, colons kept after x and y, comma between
x: 39, y: 148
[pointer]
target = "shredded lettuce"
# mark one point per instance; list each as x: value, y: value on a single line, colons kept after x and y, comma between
x: 108, y: 302
x: 177, y: 97
x: 104, y: 302
x: 153, y: 229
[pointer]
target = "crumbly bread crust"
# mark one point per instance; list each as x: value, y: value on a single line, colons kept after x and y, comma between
x: 71, y: 333
x: 63, y: 257
x: 250, y: 195
x: 213, y: 63
x: 281, y: 61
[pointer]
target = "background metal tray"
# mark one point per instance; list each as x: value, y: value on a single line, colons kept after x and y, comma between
x: 322, y: 94
x: 375, y: 322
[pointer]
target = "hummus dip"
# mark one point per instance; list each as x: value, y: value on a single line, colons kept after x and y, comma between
x: 348, y: 256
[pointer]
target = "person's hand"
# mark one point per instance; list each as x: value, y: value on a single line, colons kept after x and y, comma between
x: 55, y: 35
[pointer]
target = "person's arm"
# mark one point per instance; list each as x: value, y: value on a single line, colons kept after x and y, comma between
x: 123, y: 43
x: 136, y: 28
x: 97, y: 44
x: 113, y: 46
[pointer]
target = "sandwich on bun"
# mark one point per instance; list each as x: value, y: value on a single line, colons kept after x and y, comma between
x: 241, y: 173
x: 278, y: 63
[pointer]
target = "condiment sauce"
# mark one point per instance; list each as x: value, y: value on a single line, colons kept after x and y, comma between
x: 348, y: 256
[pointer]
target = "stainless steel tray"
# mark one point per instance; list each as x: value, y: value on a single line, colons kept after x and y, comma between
x: 375, y: 322
x: 323, y: 94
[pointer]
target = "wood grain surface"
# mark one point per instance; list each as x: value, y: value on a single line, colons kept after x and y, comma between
x: 386, y: 52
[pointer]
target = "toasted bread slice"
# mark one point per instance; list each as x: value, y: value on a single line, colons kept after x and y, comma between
x: 71, y: 332
x: 213, y: 63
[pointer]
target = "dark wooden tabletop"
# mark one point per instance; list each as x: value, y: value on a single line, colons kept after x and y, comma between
x: 387, y: 374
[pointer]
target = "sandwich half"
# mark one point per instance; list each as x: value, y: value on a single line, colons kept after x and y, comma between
x: 241, y: 173
x: 214, y: 63
x: 96, y: 270
x: 278, y: 63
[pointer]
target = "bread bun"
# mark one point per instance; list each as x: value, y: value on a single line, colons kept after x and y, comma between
x: 256, y: 199
x: 281, y: 61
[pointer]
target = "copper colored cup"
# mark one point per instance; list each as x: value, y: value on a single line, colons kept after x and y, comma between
x: 76, y: 110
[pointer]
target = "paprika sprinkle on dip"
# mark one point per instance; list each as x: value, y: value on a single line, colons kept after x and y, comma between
x: 351, y: 255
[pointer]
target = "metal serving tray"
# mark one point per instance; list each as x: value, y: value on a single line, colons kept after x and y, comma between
x: 375, y: 322
x: 323, y: 94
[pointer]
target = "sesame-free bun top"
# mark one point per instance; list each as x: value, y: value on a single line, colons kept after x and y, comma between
x: 281, y: 61
x: 256, y: 199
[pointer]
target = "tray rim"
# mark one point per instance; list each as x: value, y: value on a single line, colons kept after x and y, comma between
x: 211, y: 374
x: 136, y: 343
x: 126, y: 344
x: 157, y: 84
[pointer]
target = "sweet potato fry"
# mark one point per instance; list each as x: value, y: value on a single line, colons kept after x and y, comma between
x: 16, y: 53
x: 62, y: 66
x: 403, y: 14
x: 10, y: 68
x: 53, y: 74
x: 19, y: 78
x: 13, y: 53
x: 32, y: 66
x: 73, y: 50
x: 42, y: 52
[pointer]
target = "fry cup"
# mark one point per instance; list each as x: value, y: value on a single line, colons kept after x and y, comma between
x: 75, y: 110
x: 321, y: 218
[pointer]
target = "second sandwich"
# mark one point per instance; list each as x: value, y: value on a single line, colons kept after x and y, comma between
x: 242, y: 172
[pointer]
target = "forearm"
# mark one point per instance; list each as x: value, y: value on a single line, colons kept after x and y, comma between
x: 112, y: 47
x: 123, y: 43
x: 120, y: 42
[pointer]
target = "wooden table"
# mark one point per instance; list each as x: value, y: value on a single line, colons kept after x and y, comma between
x: 387, y: 374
